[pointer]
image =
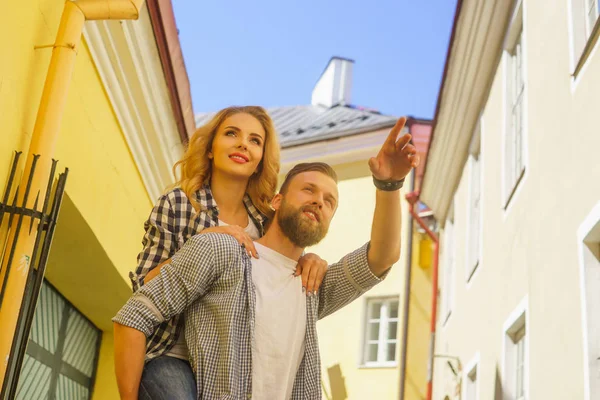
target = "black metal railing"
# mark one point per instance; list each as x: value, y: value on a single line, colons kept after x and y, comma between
x: 12, y: 213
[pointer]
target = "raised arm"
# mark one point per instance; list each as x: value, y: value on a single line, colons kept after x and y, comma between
x: 389, y: 168
x: 360, y: 270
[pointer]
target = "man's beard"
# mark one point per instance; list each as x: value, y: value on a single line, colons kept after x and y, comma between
x: 298, y: 228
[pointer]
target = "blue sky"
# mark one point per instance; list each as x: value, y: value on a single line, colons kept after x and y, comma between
x: 271, y: 53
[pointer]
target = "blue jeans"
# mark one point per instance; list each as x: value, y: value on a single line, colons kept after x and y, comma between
x: 166, y: 378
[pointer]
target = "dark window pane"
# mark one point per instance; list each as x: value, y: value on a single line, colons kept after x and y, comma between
x: 394, y: 309
x: 372, y: 352
x: 391, y: 352
x: 392, y: 330
x: 375, y: 310
x: 373, y: 331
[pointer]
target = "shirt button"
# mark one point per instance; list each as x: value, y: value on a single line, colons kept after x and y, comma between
x: 249, y: 396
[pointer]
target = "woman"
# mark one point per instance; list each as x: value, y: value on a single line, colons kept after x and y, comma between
x: 232, y: 162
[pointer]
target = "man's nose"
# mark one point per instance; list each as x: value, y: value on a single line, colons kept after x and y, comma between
x: 318, y: 201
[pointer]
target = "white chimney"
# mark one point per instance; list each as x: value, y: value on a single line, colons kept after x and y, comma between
x: 335, y: 84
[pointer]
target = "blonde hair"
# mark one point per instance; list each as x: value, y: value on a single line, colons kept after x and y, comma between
x: 196, y: 167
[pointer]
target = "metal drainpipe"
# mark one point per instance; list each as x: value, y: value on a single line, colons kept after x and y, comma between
x: 405, y: 319
x: 43, y: 143
x: 412, y: 199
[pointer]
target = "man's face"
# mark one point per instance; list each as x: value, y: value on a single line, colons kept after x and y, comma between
x: 305, y: 211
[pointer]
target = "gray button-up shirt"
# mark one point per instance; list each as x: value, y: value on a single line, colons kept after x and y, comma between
x: 210, y: 281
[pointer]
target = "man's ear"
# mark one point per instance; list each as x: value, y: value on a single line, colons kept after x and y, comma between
x: 276, y: 202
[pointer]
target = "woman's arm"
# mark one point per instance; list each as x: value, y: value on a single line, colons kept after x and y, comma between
x: 233, y: 230
x: 160, y: 241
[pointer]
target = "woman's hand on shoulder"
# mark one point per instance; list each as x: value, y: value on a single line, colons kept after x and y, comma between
x: 313, y: 269
x: 238, y: 233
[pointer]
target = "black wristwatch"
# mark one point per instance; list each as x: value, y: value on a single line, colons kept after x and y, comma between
x: 388, y: 186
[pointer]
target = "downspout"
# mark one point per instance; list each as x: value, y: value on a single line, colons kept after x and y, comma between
x: 41, y: 149
x: 405, y: 318
x: 412, y: 199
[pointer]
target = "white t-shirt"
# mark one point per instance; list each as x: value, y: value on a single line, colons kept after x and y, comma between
x: 280, y: 325
x: 250, y: 229
x: 179, y: 349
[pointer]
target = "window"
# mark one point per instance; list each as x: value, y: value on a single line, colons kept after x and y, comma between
x: 448, y: 260
x: 588, y: 237
x: 471, y: 385
x: 381, y: 332
x: 591, y: 11
x: 515, y: 354
x: 584, y: 18
x: 519, y: 363
x: 62, y: 351
x: 474, y: 207
x: 514, y: 148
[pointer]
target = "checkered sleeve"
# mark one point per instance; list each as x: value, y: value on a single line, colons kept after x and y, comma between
x: 160, y: 241
x: 345, y: 281
x: 189, y: 276
x: 138, y: 315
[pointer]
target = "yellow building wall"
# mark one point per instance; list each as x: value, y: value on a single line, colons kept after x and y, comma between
x: 105, y: 387
x: 419, y: 317
x: 104, y: 184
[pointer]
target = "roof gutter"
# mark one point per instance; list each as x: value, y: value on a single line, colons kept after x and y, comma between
x: 459, y: 4
x: 171, y: 58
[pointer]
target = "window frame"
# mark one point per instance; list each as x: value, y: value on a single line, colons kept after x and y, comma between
x: 514, y: 138
x: 449, y: 265
x: 61, y: 371
x: 473, y: 258
x: 472, y: 368
x: 383, y: 340
x: 583, y: 34
x: 588, y: 239
x: 516, y: 333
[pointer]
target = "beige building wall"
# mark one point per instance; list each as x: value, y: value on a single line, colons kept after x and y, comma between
x: 530, y: 254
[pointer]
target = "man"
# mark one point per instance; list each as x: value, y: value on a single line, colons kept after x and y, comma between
x: 249, y: 330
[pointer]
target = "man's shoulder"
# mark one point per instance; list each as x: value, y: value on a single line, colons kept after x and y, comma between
x: 218, y: 243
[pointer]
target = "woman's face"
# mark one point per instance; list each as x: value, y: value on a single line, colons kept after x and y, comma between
x: 238, y: 146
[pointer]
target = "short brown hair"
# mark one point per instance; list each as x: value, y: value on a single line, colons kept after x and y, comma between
x: 322, y: 167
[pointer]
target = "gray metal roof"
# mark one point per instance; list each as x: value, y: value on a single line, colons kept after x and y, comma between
x: 298, y: 125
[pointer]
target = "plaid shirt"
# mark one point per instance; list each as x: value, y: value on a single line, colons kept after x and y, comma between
x: 211, y: 280
x: 172, y: 222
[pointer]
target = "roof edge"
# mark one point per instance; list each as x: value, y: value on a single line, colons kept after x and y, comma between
x: 340, y: 134
x: 457, y: 13
x: 166, y: 34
